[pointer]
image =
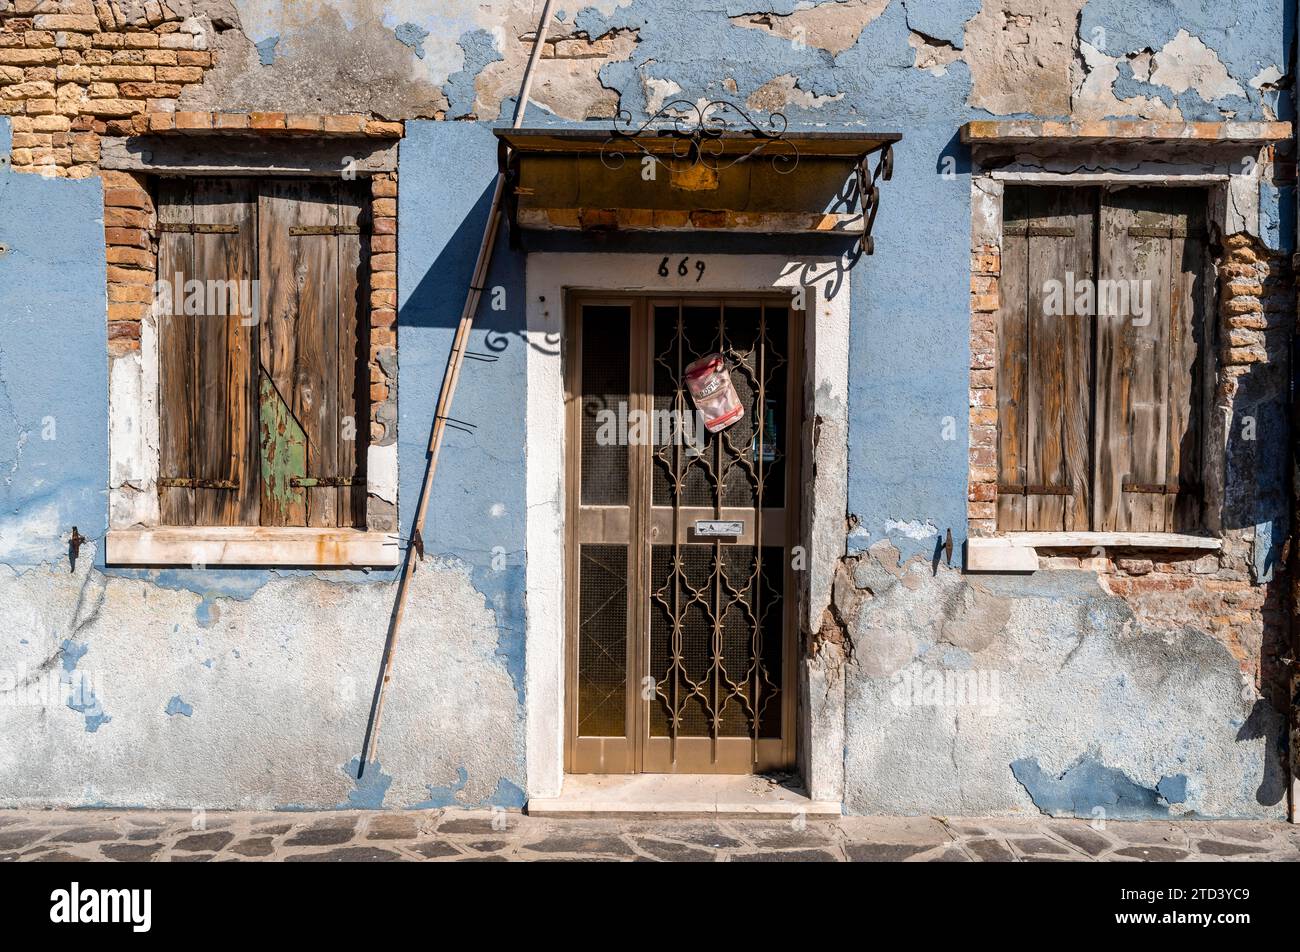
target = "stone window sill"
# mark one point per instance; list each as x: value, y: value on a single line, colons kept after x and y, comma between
x: 212, y: 546
x: 1018, y: 551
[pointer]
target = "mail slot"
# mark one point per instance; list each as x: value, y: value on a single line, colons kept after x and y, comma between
x: 720, y: 528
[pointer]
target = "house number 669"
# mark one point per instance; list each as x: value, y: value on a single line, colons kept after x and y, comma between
x: 683, y: 268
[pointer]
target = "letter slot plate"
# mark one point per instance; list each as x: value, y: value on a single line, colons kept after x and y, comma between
x: 720, y: 528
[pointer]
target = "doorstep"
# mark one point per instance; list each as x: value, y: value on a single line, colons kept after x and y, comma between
x: 685, y: 795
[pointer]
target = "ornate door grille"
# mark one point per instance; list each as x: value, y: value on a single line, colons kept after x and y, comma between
x: 679, y: 650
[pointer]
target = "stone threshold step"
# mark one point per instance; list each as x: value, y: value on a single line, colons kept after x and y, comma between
x: 649, y: 796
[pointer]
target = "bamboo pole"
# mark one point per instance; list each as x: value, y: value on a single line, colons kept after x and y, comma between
x: 455, y: 360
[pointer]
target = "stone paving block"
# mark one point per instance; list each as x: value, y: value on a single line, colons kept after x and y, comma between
x: 204, y: 842
x: 467, y: 825
x: 254, y: 846
x: 884, y: 852
x: 86, y: 834
x: 1085, y: 838
x: 346, y: 854
x: 432, y: 849
x: 14, y: 839
x: 991, y: 851
x: 1038, y: 846
x: 1156, y: 854
x: 393, y: 826
x: 675, y: 852
x: 1220, y: 848
x: 324, y: 833
x: 130, y: 852
x: 608, y: 844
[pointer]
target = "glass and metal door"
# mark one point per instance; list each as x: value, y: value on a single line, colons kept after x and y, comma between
x: 681, y: 556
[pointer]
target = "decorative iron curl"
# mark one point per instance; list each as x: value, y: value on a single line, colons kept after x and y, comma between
x: 869, y: 194
x: 697, y: 132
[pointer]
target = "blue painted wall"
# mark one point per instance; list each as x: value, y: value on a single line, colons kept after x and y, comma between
x: 53, y: 364
x: 477, y: 510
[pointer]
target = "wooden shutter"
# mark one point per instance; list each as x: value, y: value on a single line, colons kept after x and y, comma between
x: 264, y: 416
x: 1147, y: 428
x: 314, y: 354
x: 208, y: 382
x: 1044, y: 359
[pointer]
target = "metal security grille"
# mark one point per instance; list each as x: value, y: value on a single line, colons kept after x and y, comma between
x: 696, y: 679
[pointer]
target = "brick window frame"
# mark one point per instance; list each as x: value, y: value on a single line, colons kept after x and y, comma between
x: 1231, y: 161
x: 136, y: 534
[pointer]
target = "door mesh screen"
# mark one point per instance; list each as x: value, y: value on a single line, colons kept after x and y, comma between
x: 606, y: 331
x: 602, y: 641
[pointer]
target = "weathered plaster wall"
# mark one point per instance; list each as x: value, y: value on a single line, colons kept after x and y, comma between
x: 1105, y: 700
x: 226, y: 689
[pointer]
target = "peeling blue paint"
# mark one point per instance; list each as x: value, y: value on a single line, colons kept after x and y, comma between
x: 480, y: 51
x: 440, y: 797
x: 1087, y: 787
x: 72, y: 653
x: 266, y: 50
x: 508, y: 796
x: 1120, y: 27
x: 413, y: 36
x: 176, y: 706
x: 82, y: 697
x: 1173, y: 789
x: 941, y: 19
x: 367, y: 793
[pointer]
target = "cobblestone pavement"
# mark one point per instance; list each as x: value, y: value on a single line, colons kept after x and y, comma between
x: 139, y: 836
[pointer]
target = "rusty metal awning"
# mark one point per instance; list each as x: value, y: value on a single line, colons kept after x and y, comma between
x: 688, y: 170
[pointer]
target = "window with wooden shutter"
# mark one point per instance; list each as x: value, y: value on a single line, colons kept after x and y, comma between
x: 263, y: 375
x: 1100, y: 357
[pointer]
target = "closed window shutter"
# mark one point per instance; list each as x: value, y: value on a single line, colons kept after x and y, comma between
x: 314, y: 355
x: 1044, y: 360
x: 208, y: 381
x: 1151, y: 307
x: 264, y: 416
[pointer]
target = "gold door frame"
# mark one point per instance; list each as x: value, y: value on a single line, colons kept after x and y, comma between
x: 640, y: 524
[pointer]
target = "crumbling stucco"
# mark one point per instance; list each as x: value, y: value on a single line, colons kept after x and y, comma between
x: 833, y: 26
x: 277, y: 699
x: 1063, y: 695
x: 1020, y: 53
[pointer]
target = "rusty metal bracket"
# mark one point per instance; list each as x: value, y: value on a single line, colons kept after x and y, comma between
x: 189, y: 482
x: 75, y: 542
x: 299, y: 231
x: 1035, y: 490
x: 196, y: 228
x: 317, y: 482
x: 869, y: 194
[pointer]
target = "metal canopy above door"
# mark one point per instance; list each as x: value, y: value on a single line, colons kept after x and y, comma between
x: 696, y: 168
x: 681, y: 641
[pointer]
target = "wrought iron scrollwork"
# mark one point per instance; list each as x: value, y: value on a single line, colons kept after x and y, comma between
x: 696, y: 131
x: 869, y: 193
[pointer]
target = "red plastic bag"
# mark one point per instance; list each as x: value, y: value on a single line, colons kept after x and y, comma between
x: 713, y: 393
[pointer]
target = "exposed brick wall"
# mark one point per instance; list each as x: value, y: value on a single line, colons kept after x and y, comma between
x: 74, y: 70
x: 982, y: 488
x: 382, y: 515
x: 130, y: 234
